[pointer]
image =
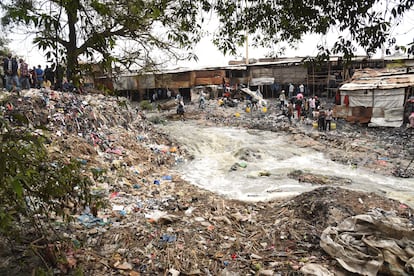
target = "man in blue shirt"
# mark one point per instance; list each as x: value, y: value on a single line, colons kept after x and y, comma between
x: 39, y: 76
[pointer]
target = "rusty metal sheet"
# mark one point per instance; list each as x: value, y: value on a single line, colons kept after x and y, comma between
x: 360, y: 114
x: 366, y: 79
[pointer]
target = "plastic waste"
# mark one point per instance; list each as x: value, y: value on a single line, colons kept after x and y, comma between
x: 168, y: 238
x: 89, y: 220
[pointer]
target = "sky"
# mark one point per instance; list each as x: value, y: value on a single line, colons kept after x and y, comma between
x: 209, y: 56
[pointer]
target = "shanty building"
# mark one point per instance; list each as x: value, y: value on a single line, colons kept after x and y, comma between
x: 376, y: 96
x: 139, y: 87
x: 269, y: 75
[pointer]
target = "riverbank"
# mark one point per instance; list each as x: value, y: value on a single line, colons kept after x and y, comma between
x: 156, y: 223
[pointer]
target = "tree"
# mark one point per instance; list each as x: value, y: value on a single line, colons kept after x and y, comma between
x: 69, y: 29
x: 3, y: 46
x: 89, y: 27
x: 364, y: 23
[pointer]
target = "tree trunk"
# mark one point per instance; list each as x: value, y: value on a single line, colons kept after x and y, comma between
x: 71, y: 47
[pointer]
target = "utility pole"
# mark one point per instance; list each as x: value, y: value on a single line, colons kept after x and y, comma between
x: 247, y: 48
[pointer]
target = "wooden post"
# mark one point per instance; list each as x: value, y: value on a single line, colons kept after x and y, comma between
x: 329, y: 78
x: 313, y: 77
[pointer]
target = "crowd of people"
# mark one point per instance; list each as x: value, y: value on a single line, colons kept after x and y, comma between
x: 300, y: 108
x: 16, y: 75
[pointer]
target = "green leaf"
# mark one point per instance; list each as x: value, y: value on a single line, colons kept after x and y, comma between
x: 17, y: 188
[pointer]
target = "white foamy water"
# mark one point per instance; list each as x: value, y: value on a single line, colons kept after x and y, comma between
x: 217, y: 149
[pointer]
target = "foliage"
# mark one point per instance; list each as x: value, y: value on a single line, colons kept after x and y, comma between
x: 145, y: 105
x: 34, y: 187
x: 68, y: 30
x: 3, y: 46
x: 366, y: 23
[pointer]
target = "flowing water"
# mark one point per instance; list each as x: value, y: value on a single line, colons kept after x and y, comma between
x: 253, y: 165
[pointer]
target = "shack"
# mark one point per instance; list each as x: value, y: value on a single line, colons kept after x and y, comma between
x: 376, y: 96
x: 270, y: 76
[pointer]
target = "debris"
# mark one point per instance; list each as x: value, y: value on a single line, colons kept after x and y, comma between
x: 369, y: 243
x: 319, y: 179
x: 155, y: 223
x: 123, y: 266
x: 315, y: 270
x: 173, y: 272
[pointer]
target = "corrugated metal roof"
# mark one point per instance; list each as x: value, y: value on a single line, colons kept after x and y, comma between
x: 379, y: 79
x: 186, y: 69
x: 277, y: 62
x: 204, y: 68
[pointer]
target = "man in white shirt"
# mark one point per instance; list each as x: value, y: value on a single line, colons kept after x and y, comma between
x: 291, y: 90
x: 312, y: 106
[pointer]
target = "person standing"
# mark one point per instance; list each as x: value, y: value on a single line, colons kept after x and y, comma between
x: 39, y: 76
x: 202, y: 101
x: 317, y: 102
x: 24, y: 74
x: 321, y: 120
x: 302, y: 89
x: 291, y: 90
x: 328, y: 119
x: 298, y: 106
x: 10, y: 68
x: 312, y: 106
x: 33, y: 77
x: 50, y: 75
x: 180, y: 109
x: 282, y: 99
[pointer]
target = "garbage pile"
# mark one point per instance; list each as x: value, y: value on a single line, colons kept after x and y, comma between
x: 156, y: 223
x: 102, y: 131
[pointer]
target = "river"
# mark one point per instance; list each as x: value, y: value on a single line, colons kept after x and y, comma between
x: 253, y: 165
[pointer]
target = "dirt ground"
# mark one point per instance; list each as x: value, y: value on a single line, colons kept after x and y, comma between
x: 178, y: 229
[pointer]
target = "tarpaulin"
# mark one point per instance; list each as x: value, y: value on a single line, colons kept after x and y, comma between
x: 390, y: 98
x: 370, y: 243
